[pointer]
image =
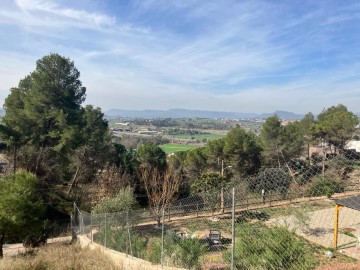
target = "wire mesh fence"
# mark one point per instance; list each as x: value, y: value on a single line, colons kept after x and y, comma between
x: 300, y: 214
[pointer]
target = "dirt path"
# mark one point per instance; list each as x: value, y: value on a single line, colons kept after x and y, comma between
x: 340, y: 266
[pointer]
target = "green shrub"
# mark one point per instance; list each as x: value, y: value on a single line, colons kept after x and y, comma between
x: 180, y: 252
x: 153, y: 249
x: 270, y: 248
x: 190, y: 252
x: 122, y: 201
x: 122, y: 240
x: 324, y: 186
x: 272, y: 179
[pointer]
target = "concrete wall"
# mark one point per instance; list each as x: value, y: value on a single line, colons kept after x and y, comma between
x: 120, y: 259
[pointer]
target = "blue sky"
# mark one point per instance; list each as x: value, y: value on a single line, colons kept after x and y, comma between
x: 242, y: 56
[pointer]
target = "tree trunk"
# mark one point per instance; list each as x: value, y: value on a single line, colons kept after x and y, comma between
x: 38, y: 158
x: 15, y: 156
x: 222, y: 204
x: 74, y: 179
x: 158, y: 221
x: 2, y: 238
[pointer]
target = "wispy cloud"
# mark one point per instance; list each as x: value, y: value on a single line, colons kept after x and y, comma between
x: 51, y: 7
x: 229, y: 55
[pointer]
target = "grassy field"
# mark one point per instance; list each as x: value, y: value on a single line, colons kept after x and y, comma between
x: 172, y: 148
x: 208, y: 136
x: 59, y: 257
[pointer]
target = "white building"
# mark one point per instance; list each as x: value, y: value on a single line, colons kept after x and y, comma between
x: 353, y: 145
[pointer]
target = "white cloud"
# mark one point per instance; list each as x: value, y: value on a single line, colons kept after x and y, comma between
x: 242, y: 57
x: 29, y: 6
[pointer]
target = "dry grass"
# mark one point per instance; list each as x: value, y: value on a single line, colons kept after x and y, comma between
x: 60, y: 257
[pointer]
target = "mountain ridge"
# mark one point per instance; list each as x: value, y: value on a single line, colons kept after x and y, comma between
x: 185, y: 113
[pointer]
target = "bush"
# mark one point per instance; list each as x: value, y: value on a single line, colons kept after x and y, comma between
x: 119, y: 239
x: 308, y: 172
x: 180, y: 252
x: 190, y: 252
x: 122, y: 201
x: 324, y: 186
x: 272, y: 179
x: 270, y: 248
x: 37, y: 236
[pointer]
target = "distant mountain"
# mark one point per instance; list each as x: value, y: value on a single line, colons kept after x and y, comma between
x: 178, y: 113
x: 183, y: 113
x: 282, y: 115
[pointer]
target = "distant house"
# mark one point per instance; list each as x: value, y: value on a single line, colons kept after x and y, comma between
x: 353, y: 145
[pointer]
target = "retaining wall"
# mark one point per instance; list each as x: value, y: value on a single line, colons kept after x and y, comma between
x: 126, y: 262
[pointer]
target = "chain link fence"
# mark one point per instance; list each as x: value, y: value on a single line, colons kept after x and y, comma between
x: 298, y: 215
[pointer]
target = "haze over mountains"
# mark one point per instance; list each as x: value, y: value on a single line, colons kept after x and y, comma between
x: 184, y: 113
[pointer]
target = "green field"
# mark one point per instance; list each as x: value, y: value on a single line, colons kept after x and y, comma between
x: 208, y: 136
x: 172, y: 148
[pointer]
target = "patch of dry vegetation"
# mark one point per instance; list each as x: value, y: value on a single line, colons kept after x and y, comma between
x: 60, y: 257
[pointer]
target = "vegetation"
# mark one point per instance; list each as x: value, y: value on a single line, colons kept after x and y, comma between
x: 272, y: 179
x: 68, y: 147
x: 271, y: 248
x: 151, y: 156
x: 242, y: 151
x: 121, y: 239
x: 60, y: 257
x: 124, y: 200
x: 281, y: 143
x: 21, y: 210
x: 172, y: 148
x: 47, y: 130
x: 161, y: 188
x: 180, y: 252
x: 336, y: 125
x: 324, y: 187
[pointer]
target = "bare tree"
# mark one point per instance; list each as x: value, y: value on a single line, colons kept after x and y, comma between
x: 160, y: 187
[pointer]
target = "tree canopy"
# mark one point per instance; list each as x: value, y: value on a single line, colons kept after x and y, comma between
x: 21, y: 209
x: 243, y: 151
x: 336, y: 125
x: 151, y: 155
x: 52, y: 135
x: 281, y: 143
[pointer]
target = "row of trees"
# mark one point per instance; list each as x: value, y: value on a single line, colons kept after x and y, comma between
x: 276, y: 146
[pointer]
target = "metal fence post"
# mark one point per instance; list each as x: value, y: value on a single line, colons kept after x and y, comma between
x: 91, y: 228
x: 74, y: 217
x: 233, y: 230
x: 162, y: 238
x: 82, y: 223
x: 128, y: 240
x: 105, y: 232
